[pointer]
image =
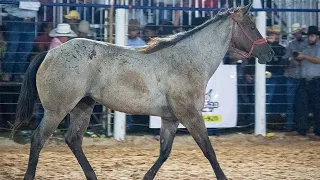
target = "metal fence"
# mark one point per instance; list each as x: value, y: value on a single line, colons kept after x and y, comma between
x: 153, y: 16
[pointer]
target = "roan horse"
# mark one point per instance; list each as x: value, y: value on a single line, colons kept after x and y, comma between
x: 166, y: 78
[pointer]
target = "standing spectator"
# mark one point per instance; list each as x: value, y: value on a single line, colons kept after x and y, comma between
x: 207, y: 4
x: 276, y: 65
x: 84, y: 30
x: 21, y: 36
x: 3, y: 44
x: 73, y: 18
x: 43, y: 41
x: 139, y: 14
x: 61, y: 35
x: 292, y: 73
x: 134, y: 32
x: 149, y: 32
x: 184, y: 16
x: 164, y: 15
x: 45, y: 13
x: 3, y: 41
x: 245, y: 80
x: 308, y: 91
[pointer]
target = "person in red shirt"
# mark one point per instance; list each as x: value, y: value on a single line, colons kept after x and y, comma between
x: 43, y: 41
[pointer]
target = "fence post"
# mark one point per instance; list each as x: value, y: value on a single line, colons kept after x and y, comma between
x: 260, y: 81
x: 119, y: 117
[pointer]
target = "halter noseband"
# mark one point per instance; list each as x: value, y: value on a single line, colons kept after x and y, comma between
x: 244, y: 54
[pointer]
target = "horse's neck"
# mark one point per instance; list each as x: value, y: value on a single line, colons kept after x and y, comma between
x: 210, y: 45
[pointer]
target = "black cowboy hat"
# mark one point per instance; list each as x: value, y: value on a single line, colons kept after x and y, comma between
x: 313, y: 30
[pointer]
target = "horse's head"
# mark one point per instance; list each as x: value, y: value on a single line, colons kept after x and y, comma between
x: 246, y: 39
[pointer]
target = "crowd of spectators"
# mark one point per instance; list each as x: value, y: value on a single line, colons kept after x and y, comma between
x: 294, y: 68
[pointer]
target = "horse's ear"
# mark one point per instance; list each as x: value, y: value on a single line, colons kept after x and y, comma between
x: 246, y: 9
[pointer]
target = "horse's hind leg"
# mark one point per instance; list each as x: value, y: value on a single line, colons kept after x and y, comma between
x: 80, y: 118
x: 167, y: 133
x: 193, y: 121
x: 48, y: 124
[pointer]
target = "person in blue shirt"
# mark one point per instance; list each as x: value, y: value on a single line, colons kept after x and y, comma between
x: 20, y: 37
x: 134, y: 33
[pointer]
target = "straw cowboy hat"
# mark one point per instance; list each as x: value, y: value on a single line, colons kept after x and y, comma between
x: 275, y: 28
x: 73, y: 15
x: 84, y: 27
x: 295, y: 28
x: 62, y: 30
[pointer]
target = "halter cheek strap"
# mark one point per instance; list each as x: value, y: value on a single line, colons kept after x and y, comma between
x: 254, y: 42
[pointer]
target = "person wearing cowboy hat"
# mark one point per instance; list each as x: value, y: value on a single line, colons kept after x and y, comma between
x: 60, y: 35
x: 308, y: 91
x: 292, y: 71
x: 84, y: 30
x: 273, y: 33
x: 276, y: 66
x: 73, y: 18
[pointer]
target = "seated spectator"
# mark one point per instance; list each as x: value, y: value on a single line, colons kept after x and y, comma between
x: 199, y: 20
x: 84, y: 30
x: 149, y: 32
x: 60, y: 35
x: 43, y: 40
x: 21, y: 36
x: 167, y: 29
x: 73, y: 18
x: 134, y: 32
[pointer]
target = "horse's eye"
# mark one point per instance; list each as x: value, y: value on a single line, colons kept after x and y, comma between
x: 253, y: 27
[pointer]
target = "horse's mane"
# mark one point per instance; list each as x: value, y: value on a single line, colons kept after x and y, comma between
x: 156, y: 44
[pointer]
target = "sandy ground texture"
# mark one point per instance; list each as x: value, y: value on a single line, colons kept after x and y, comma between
x: 241, y: 157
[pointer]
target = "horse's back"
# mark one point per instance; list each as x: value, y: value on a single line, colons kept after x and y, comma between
x: 119, y: 77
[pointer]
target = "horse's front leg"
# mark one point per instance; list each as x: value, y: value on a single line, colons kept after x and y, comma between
x: 194, y: 122
x: 167, y: 133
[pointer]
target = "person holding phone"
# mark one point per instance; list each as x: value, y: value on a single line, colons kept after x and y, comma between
x: 308, y: 91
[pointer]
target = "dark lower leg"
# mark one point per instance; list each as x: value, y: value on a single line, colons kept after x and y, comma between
x: 36, y: 146
x: 167, y: 133
x: 40, y: 136
x: 80, y: 118
x: 75, y: 145
x: 198, y: 130
x: 315, y: 100
x: 301, y: 109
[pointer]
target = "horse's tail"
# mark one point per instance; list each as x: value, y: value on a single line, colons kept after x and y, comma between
x: 28, y: 93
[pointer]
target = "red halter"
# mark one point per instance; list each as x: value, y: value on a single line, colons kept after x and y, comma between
x: 259, y: 41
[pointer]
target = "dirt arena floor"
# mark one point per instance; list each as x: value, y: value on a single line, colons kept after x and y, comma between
x: 241, y: 156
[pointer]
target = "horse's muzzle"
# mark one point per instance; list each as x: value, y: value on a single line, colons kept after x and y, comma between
x: 266, y: 57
